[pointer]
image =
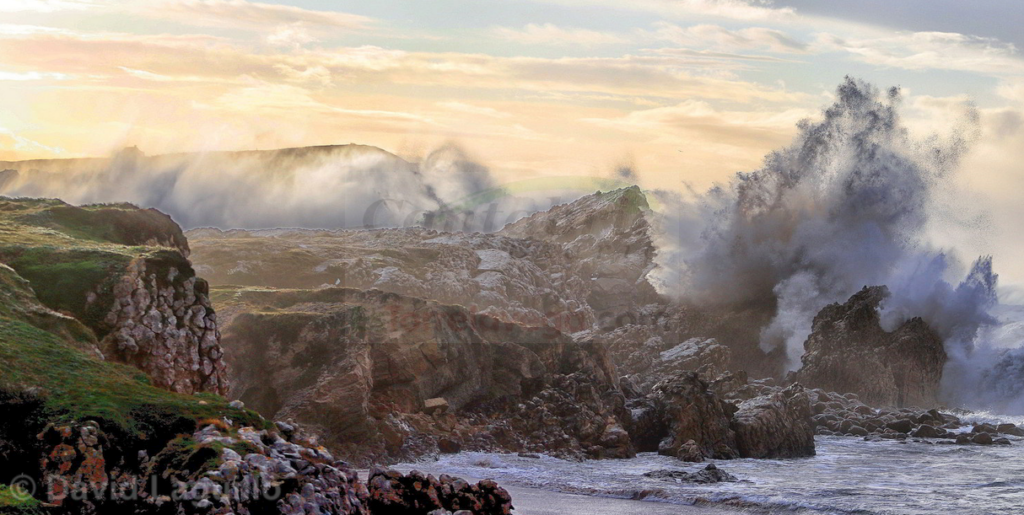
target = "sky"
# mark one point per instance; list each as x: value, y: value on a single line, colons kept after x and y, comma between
x: 684, y: 92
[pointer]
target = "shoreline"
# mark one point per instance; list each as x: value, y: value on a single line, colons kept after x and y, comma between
x: 527, y: 500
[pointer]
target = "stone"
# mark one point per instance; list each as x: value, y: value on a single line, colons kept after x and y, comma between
x: 692, y: 413
x: 849, y: 351
x: 778, y: 425
x: 927, y: 431
x: 709, y: 474
x: 435, y: 405
x: 901, y: 426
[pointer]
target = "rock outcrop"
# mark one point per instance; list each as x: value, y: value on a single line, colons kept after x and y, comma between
x: 416, y: 493
x: 608, y: 234
x: 778, y: 425
x: 218, y: 469
x: 525, y: 281
x: 694, y: 416
x: 849, y: 351
x: 123, y: 272
x: 687, y: 418
x: 360, y: 366
x: 161, y: 322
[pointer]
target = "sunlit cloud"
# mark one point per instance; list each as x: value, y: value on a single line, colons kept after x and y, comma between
x: 253, y: 15
x: 550, y: 34
x: 721, y: 38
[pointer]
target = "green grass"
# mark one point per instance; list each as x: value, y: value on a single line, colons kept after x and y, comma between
x: 77, y: 387
x: 13, y: 504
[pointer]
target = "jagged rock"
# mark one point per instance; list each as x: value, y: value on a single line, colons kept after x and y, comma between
x: 435, y: 405
x: 123, y: 273
x: 848, y: 351
x: 709, y: 474
x: 392, y: 493
x: 161, y: 322
x: 84, y: 471
x: 608, y: 235
x: 778, y: 425
x: 361, y: 368
x: 694, y: 414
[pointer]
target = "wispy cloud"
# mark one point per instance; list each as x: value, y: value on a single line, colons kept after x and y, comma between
x: 550, y: 34
x: 721, y: 38
x: 746, y: 10
x: 253, y: 15
x: 931, y: 51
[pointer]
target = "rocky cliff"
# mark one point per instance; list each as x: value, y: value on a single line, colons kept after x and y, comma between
x: 517, y: 280
x: 383, y: 375
x: 608, y: 234
x: 848, y: 351
x: 123, y: 273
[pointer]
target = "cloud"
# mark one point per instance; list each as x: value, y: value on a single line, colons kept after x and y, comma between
x: 100, y: 55
x: 237, y: 14
x: 293, y: 35
x: 15, y: 146
x: 550, y: 34
x: 46, y: 6
x: 931, y: 51
x: 699, y: 119
x: 717, y: 37
x: 747, y: 10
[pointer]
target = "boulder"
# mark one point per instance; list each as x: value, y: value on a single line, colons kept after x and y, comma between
x: 778, y: 425
x: 709, y: 474
x: 692, y: 413
x: 415, y: 493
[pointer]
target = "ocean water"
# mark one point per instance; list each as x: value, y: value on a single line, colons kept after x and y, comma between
x: 848, y: 475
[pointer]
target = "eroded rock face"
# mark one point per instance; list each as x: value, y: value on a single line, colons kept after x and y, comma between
x: 848, y: 351
x: 526, y: 281
x: 689, y: 420
x: 122, y: 273
x: 360, y: 367
x: 609, y: 236
x: 778, y: 425
x: 693, y: 413
x: 161, y: 322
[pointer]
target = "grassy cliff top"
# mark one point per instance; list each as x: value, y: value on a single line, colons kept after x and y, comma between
x: 53, y: 258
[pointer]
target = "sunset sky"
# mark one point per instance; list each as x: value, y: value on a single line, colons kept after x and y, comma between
x: 687, y: 92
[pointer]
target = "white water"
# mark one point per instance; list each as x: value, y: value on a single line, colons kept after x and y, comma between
x: 848, y: 475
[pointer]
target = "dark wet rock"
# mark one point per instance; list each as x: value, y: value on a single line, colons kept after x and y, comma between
x: 690, y: 452
x: 392, y: 493
x: 902, y: 426
x: 985, y: 428
x: 1010, y: 429
x: 709, y: 474
x: 963, y: 439
x: 775, y: 426
x: 694, y: 414
x: 927, y: 431
x: 982, y: 439
x: 848, y: 351
x: 858, y: 431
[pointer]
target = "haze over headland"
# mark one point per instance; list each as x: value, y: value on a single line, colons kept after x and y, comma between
x: 684, y: 94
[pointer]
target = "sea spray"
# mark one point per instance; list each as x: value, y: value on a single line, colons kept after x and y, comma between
x: 845, y: 206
